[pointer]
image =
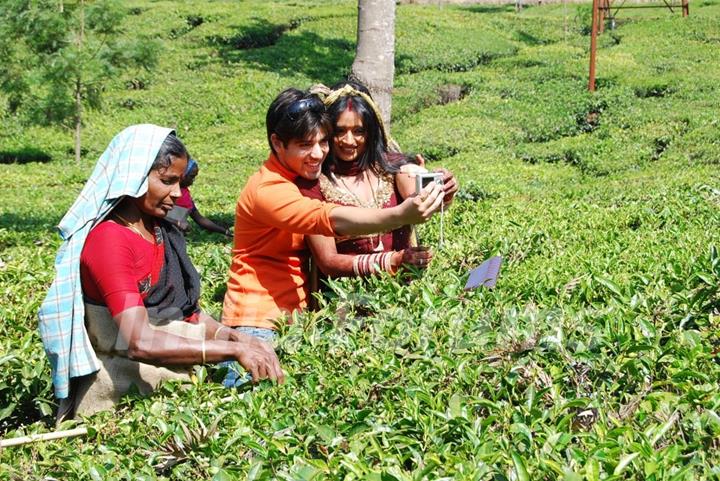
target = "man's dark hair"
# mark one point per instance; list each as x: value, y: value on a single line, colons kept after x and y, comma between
x: 295, y: 114
x: 171, y: 147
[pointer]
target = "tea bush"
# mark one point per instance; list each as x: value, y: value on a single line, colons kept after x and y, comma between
x: 595, y: 357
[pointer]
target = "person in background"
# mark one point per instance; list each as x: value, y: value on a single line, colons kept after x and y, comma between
x: 123, y: 309
x: 185, y: 206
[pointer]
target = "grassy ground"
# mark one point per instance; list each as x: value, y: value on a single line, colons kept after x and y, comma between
x: 594, y: 358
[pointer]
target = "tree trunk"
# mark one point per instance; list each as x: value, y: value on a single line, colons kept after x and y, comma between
x: 78, y: 87
x: 374, y: 63
x: 78, y: 120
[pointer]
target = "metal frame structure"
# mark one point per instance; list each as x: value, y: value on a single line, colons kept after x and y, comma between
x: 605, y: 10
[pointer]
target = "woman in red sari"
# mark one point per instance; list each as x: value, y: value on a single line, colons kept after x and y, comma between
x: 124, y: 307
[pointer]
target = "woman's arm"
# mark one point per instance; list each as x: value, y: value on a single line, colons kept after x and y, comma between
x: 332, y: 264
x: 326, y: 256
x: 213, y: 329
x: 405, y: 179
x: 220, y: 332
x: 207, y: 224
x: 158, y: 347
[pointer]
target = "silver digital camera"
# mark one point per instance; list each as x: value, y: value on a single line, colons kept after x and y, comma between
x: 424, y: 179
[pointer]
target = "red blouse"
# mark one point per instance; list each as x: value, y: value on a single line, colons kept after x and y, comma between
x: 118, y: 266
x: 185, y: 199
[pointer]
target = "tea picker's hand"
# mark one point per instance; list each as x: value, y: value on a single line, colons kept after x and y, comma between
x: 258, y: 358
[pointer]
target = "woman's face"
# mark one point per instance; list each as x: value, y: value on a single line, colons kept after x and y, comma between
x: 349, y: 137
x: 163, y: 189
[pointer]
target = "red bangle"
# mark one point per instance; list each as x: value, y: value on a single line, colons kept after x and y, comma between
x: 193, y: 318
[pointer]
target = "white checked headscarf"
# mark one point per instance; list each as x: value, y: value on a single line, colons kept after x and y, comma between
x: 122, y: 170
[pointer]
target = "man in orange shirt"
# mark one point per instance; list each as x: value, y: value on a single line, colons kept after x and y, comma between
x: 272, y: 217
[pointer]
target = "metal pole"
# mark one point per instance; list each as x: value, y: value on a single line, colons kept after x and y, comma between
x: 593, y: 45
x: 631, y: 7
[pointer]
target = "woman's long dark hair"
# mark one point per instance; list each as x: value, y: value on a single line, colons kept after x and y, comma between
x: 374, y: 157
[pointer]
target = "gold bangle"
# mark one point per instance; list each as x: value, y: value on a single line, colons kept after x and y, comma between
x: 218, y: 330
x: 203, y: 351
x: 388, y: 264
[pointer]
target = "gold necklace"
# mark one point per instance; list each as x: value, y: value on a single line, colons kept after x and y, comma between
x: 127, y: 224
x: 379, y: 247
x: 361, y: 203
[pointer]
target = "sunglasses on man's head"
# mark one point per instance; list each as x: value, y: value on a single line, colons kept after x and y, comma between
x: 299, y: 107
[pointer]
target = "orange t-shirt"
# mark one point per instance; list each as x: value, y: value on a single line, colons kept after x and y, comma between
x: 272, y: 218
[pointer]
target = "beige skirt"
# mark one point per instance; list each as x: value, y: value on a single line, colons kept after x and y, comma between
x: 103, y: 389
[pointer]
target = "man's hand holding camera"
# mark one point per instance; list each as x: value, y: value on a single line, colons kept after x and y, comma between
x: 450, y: 184
x: 448, y: 180
x: 421, y: 207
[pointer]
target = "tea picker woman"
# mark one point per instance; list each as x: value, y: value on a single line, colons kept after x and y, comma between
x: 123, y: 308
x: 185, y: 206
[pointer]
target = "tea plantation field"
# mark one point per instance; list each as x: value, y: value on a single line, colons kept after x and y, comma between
x: 596, y: 357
